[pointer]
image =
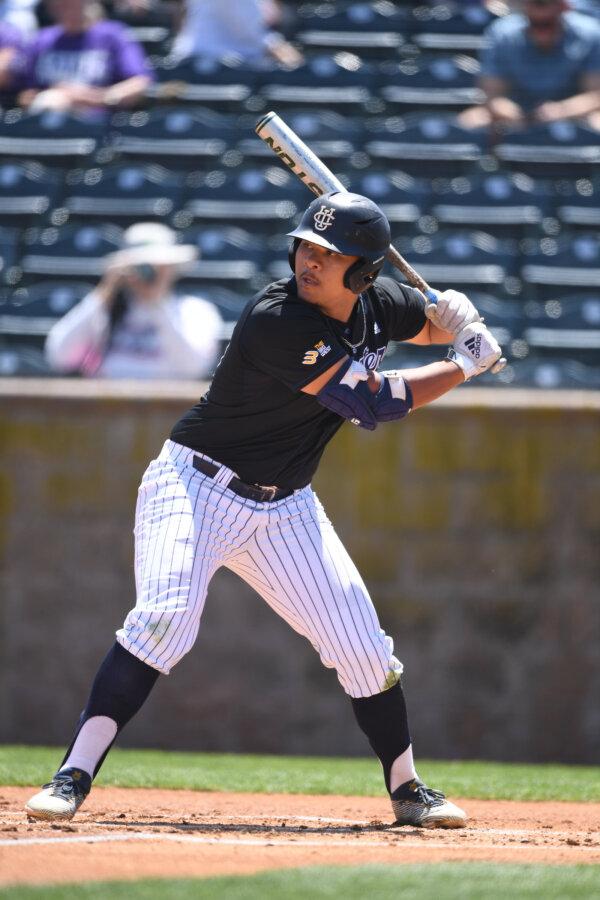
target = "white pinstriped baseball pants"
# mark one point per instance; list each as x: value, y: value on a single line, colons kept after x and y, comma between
x: 189, y: 524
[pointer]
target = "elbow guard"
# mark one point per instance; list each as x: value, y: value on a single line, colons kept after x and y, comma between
x: 349, y: 395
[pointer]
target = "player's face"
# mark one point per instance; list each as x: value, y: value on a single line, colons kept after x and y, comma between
x: 320, y: 274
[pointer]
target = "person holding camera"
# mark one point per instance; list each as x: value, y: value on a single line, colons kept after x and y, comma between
x: 133, y: 324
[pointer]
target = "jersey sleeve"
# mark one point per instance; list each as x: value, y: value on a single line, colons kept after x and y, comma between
x: 290, y: 342
x: 404, y: 308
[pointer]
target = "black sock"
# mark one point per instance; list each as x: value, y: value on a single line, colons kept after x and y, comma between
x: 120, y: 688
x: 384, y: 720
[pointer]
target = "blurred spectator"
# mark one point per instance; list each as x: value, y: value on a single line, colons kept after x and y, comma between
x: 212, y: 29
x: 11, y: 57
x: 133, y: 325
x: 540, y: 64
x: 20, y: 14
x: 82, y: 63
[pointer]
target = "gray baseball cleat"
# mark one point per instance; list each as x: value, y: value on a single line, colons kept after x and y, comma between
x: 60, y: 799
x: 416, y: 804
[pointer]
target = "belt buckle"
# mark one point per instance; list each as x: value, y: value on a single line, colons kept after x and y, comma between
x: 270, y: 489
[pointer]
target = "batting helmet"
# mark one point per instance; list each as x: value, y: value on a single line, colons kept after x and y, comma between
x: 350, y: 224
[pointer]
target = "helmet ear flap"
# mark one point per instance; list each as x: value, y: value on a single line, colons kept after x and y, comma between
x: 361, y: 274
x: 292, y: 254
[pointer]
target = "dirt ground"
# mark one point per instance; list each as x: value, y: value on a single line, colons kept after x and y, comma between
x: 125, y: 833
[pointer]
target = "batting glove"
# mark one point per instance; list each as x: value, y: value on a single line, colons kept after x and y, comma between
x: 452, y: 312
x: 475, y: 350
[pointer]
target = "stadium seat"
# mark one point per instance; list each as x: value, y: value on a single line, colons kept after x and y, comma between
x: 31, y: 311
x: 441, y: 82
x: 505, y: 317
x: 27, y: 190
x: 565, y: 324
x: 260, y: 198
x: 462, y: 259
x: 545, y: 150
x: 450, y: 26
x: 330, y: 135
x: 229, y: 257
x: 219, y: 84
x: 173, y: 135
x: 370, y: 29
x: 50, y: 136
x: 9, y: 241
x: 578, y: 202
x: 72, y: 251
x: 128, y: 191
x: 549, y: 374
x: 402, y: 197
x: 572, y: 260
x: 338, y: 81
x: 423, y: 144
x: 23, y: 362
x: 501, y: 202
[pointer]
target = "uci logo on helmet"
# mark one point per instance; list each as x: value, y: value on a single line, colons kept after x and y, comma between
x: 324, y: 218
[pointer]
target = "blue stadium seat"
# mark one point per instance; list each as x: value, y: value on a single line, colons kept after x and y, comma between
x: 549, y: 374
x: 31, y: 311
x: 505, y: 317
x: 184, y: 135
x: 570, y: 260
x: 330, y: 135
x: 72, y: 251
x: 450, y: 26
x: 126, y: 192
x: 402, y: 197
x: 261, y: 198
x: 332, y: 82
x: 27, y: 190
x: 545, y: 150
x: 462, y: 260
x: 426, y: 83
x: 578, y: 202
x: 229, y: 256
x: 566, y: 324
x: 373, y: 29
x: 503, y: 203
x: 51, y: 136
x: 423, y: 144
x: 219, y: 84
x: 9, y: 242
x: 229, y: 302
x: 22, y: 362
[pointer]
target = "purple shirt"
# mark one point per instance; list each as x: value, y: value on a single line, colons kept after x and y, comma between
x: 100, y: 56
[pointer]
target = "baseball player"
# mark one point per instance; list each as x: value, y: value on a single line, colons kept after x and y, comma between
x: 231, y: 487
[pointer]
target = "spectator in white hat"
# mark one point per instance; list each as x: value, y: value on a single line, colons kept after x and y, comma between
x: 133, y: 324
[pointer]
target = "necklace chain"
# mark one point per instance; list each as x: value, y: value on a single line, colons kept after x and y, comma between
x: 364, y: 331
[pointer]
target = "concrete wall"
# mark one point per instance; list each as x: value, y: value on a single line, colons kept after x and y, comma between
x: 475, y: 524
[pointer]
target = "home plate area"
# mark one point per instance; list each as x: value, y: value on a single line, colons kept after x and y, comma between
x: 141, y: 833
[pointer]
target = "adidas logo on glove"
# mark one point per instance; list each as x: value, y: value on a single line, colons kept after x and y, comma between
x: 473, y: 345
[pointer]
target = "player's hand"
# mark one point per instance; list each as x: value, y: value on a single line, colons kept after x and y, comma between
x: 452, y: 312
x: 475, y: 350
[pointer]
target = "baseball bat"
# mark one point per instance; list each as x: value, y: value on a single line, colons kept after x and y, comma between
x: 313, y: 172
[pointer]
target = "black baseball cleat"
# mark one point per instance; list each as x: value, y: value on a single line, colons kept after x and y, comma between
x: 416, y: 804
x: 60, y: 799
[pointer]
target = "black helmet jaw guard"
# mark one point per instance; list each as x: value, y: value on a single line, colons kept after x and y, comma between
x: 349, y: 224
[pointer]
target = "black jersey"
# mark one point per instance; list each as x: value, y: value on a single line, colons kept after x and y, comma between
x: 255, y: 418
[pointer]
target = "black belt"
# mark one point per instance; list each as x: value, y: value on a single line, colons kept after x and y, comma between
x: 250, y: 491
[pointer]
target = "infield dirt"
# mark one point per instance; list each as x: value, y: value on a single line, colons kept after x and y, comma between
x: 125, y: 833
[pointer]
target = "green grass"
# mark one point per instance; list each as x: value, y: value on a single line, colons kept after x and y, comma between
x: 467, y: 881
x: 21, y: 765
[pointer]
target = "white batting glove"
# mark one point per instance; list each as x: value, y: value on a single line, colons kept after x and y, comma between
x: 475, y: 350
x: 452, y: 312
